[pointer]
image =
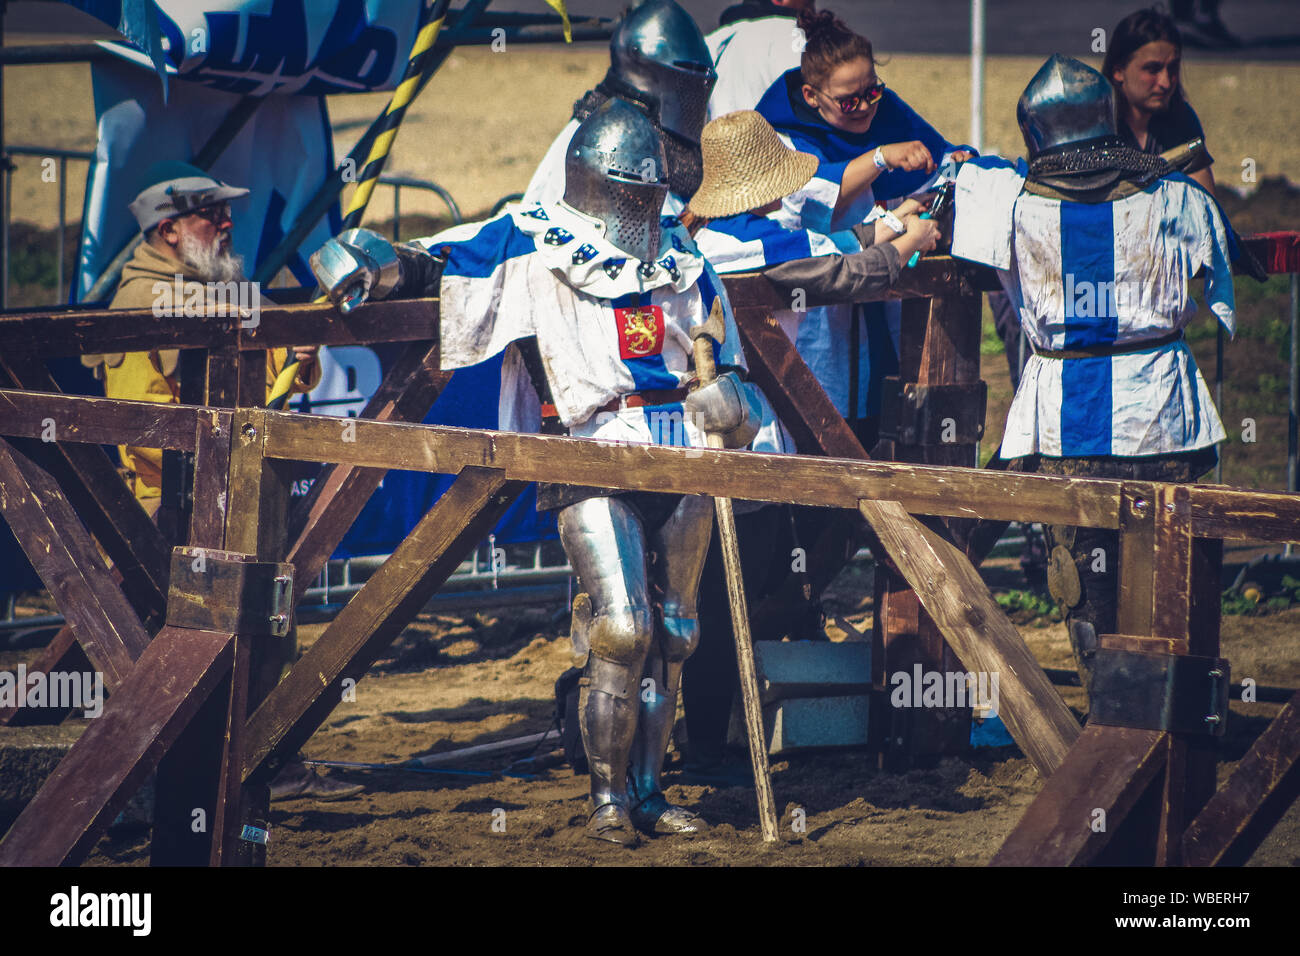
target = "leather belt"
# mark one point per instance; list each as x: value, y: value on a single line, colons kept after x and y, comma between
x: 631, y: 400
x: 1101, y: 351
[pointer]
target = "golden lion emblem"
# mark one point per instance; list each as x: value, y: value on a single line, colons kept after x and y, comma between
x: 640, y: 332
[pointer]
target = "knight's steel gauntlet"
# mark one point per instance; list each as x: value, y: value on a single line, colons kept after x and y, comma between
x: 727, y: 406
x: 356, y: 265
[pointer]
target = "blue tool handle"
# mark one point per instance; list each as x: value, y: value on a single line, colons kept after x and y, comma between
x: 916, y: 256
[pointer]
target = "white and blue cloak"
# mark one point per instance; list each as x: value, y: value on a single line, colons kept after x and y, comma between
x: 606, y: 325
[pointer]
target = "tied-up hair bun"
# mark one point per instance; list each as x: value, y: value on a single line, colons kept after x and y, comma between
x: 829, y: 41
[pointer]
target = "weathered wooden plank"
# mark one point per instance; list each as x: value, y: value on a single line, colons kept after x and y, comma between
x: 1136, y: 607
x: 795, y: 393
x: 793, y: 479
x: 255, y: 526
x: 376, y: 615
x: 108, y: 763
x: 69, y: 332
x: 1186, y: 583
x: 931, y: 276
x: 1218, y: 512
x: 211, y: 479
x: 221, y: 378
x: 955, y: 596
x: 102, y: 500
x: 63, y: 654
x: 63, y: 554
x: 100, y: 421
x: 339, y: 492
x: 1108, y: 769
x: 1264, y: 784
x: 227, y: 822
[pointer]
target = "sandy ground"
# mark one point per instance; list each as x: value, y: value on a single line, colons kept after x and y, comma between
x: 483, y: 123
x: 454, y: 682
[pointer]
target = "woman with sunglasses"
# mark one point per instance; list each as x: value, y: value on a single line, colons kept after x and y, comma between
x: 871, y: 145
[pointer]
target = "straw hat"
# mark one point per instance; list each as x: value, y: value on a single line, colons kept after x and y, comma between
x: 746, y: 166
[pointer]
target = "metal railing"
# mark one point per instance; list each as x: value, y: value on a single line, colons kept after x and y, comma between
x: 408, y: 182
x: 44, y: 152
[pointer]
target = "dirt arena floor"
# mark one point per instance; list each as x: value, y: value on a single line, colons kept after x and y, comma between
x: 453, y: 682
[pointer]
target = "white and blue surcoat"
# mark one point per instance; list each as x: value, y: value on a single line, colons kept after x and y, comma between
x: 1104, y: 274
x: 606, y: 326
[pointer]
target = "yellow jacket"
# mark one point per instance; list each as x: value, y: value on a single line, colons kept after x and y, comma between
x: 151, y: 376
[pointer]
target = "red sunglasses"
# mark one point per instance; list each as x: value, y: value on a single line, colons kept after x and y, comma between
x: 859, y: 101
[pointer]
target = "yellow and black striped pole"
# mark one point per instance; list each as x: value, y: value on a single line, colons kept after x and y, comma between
x: 383, y: 145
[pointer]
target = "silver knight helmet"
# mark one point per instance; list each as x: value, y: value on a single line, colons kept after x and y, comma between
x: 615, y: 171
x: 659, y: 51
x: 1066, y: 102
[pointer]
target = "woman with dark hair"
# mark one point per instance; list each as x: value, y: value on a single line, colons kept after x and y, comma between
x: 871, y: 145
x: 1143, y: 63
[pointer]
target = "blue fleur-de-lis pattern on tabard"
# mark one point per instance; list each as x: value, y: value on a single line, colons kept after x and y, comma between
x: 645, y: 270
x: 556, y: 236
x: 585, y: 253
x: 537, y: 212
x: 670, y: 264
x: 613, y: 267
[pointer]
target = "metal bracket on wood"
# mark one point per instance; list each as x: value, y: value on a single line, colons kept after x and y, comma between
x: 1181, y: 693
x: 228, y: 591
x: 917, y: 414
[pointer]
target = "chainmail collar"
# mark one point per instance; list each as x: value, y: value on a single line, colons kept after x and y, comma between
x: 1096, y: 165
x: 685, y: 160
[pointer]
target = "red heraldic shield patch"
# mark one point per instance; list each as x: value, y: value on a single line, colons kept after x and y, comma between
x: 640, y: 331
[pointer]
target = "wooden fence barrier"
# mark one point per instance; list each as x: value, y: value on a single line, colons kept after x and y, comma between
x: 186, y: 638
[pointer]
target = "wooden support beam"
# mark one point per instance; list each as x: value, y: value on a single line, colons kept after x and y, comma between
x: 977, y: 629
x: 793, y: 479
x: 375, y: 616
x: 78, y: 332
x: 794, y: 391
x: 1107, y: 770
x: 1263, y: 786
x: 108, y: 763
x: 1187, y: 607
x: 63, y: 654
x: 339, y: 492
x: 102, y: 500
x: 931, y: 276
x: 1233, y: 514
x: 190, y: 775
x: 99, y: 421
x: 63, y: 554
x: 255, y: 526
x: 938, y: 356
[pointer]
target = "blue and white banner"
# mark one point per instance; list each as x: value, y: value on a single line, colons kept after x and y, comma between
x: 292, y: 52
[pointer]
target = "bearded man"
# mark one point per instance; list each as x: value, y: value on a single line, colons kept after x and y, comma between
x: 185, y: 216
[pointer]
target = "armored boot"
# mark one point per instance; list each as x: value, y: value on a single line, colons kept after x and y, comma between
x: 651, y: 811
x: 607, y: 714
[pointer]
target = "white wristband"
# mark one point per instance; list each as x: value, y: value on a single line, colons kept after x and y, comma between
x: 893, y: 222
x: 879, y: 159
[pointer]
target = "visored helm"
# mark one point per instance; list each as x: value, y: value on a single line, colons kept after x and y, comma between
x: 659, y: 51
x: 1066, y: 102
x: 615, y: 171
